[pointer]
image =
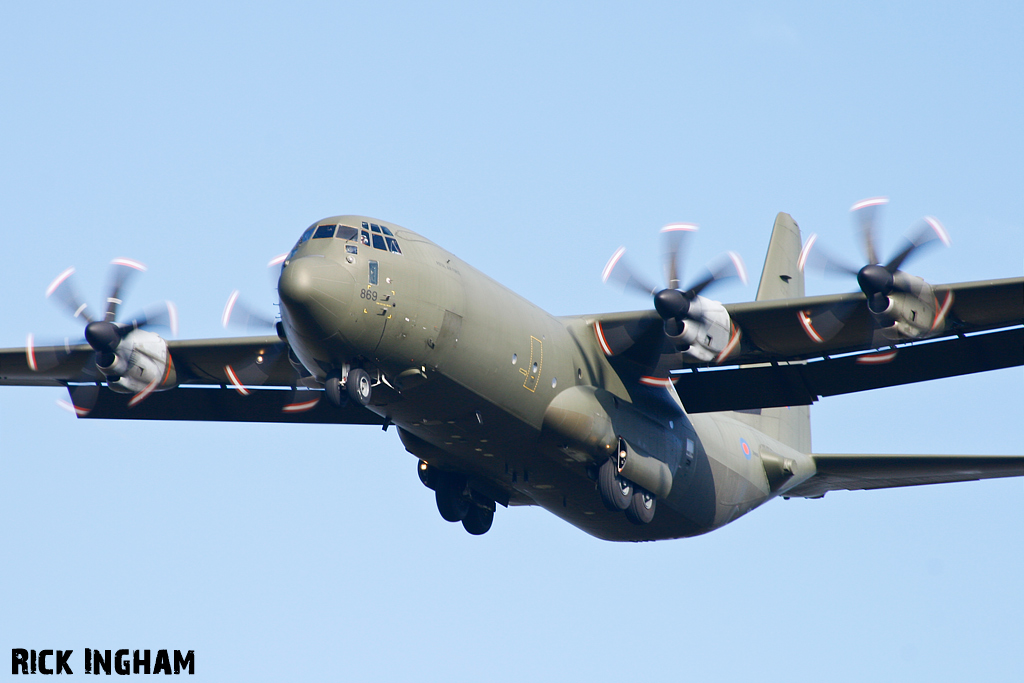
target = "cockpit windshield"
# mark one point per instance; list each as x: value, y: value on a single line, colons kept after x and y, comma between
x: 346, y: 233
x: 324, y: 231
x: 372, y: 235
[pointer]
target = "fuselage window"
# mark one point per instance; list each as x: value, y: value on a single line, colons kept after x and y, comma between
x: 374, y: 227
x: 393, y: 245
x: 364, y: 237
x: 324, y: 231
x: 378, y: 242
x: 373, y: 272
x: 346, y: 233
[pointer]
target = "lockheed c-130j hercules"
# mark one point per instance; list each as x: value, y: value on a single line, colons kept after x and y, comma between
x: 661, y: 423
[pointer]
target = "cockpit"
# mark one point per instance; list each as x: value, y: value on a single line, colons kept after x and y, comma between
x: 369, y: 235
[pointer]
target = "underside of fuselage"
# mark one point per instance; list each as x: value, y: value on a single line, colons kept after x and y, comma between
x: 511, y: 462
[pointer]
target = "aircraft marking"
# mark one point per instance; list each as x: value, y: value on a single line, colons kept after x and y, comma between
x: 940, y: 317
x: 877, y: 358
x: 230, y: 372
x: 535, y: 366
x: 601, y: 340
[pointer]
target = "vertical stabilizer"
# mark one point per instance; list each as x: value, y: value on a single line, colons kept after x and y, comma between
x: 782, y: 279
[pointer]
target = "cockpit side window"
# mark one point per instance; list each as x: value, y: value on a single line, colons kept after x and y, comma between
x: 324, y: 231
x: 377, y: 234
x: 344, y: 232
x: 302, y: 240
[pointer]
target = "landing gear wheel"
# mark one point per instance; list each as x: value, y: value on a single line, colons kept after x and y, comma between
x: 641, y: 507
x: 478, y: 520
x: 359, y: 386
x: 452, y: 505
x: 332, y: 386
x: 616, y: 491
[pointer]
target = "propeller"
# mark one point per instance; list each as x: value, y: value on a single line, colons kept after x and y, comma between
x: 876, y: 280
x: 674, y: 304
x: 102, y: 334
x: 238, y: 313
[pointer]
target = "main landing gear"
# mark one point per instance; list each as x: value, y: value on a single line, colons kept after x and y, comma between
x: 456, y: 501
x: 621, y: 495
x: 357, y: 387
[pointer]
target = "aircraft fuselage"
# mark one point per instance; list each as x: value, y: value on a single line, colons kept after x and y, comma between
x: 524, y: 405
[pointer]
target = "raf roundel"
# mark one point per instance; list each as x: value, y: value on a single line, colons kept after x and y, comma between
x: 745, y: 448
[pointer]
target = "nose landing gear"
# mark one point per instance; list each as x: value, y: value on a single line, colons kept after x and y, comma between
x: 358, y: 386
x: 355, y: 385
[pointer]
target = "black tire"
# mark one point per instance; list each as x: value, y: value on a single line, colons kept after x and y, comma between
x: 359, y: 386
x: 332, y: 387
x: 452, y: 505
x: 641, y: 507
x: 478, y: 520
x: 616, y: 491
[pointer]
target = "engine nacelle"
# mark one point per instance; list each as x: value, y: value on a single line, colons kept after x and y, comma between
x: 912, y: 310
x: 142, y: 362
x: 707, y: 330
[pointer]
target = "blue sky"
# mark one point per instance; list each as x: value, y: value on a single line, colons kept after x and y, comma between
x: 531, y: 140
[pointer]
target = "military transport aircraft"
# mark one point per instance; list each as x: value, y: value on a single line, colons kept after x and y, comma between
x: 661, y: 423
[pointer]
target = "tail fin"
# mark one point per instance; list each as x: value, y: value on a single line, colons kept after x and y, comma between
x: 782, y: 279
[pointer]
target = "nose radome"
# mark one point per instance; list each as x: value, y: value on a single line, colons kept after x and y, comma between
x: 315, y: 293
x: 296, y: 283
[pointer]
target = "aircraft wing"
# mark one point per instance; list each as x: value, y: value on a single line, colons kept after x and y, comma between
x: 778, y: 364
x: 781, y: 383
x: 214, y: 404
x: 259, y: 361
x: 772, y: 330
x: 854, y: 472
x: 266, y: 384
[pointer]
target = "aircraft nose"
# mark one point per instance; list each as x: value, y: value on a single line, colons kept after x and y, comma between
x: 315, y: 293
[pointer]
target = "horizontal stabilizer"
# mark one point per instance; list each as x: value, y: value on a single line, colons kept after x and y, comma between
x: 853, y: 472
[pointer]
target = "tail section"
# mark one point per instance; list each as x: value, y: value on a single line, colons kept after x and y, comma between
x: 782, y: 279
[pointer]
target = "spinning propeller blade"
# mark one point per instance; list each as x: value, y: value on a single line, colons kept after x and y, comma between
x: 876, y: 281
x: 672, y: 303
